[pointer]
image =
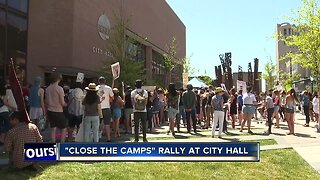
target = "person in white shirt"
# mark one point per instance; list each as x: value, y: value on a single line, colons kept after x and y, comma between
x: 249, y: 109
x: 106, y: 96
x: 315, y: 103
x: 139, y: 99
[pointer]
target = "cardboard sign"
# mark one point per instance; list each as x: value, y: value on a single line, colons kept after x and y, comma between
x: 242, y: 85
x: 80, y: 77
x: 115, y: 70
x: 185, y: 79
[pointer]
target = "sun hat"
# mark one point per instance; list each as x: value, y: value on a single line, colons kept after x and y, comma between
x: 92, y: 87
x: 218, y: 90
x: 115, y: 90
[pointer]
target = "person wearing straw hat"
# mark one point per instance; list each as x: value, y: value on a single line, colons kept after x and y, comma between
x: 92, y: 113
x: 217, y: 104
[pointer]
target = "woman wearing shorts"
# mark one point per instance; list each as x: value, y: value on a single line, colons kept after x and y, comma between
x: 249, y: 108
x: 290, y: 106
x: 173, y: 106
x: 116, y: 105
x: 276, y: 102
x: 233, y: 106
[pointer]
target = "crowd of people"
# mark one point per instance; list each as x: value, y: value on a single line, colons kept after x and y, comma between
x: 85, y: 115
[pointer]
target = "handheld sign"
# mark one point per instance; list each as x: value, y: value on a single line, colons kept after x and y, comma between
x: 80, y: 77
x: 115, y: 70
x: 242, y: 85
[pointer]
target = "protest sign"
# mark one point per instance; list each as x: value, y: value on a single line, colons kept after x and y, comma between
x: 80, y: 77
x: 115, y: 70
x: 242, y: 85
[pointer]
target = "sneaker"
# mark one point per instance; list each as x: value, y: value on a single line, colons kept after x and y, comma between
x: 219, y: 136
x: 212, y: 136
x: 100, y: 134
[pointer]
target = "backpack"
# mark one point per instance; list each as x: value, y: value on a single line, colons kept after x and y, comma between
x: 140, y: 101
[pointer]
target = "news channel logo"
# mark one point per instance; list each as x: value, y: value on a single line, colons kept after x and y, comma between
x: 40, y: 152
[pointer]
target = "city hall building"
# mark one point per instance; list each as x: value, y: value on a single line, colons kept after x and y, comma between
x: 45, y: 36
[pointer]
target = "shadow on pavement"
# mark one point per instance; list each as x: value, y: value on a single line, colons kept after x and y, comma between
x: 278, y: 134
x: 303, y: 135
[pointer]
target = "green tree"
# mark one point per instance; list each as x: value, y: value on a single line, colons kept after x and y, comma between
x: 170, y: 61
x: 305, y: 40
x: 269, y: 74
x: 131, y: 70
x: 286, y: 78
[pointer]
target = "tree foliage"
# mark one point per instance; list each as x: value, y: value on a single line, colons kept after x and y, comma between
x: 286, y: 78
x: 131, y: 70
x: 269, y: 73
x: 169, y: 57
x: 306, y: 37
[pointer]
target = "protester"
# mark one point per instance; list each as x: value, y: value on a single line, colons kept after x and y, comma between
x: 311, y: 106
x: 12, y: 105
x: 306, y: 103
x: 270, y: 109
x: 75, y: 110
x: 315, y: 104
x: 128, y: 109
x: 4, y: 113
x: 240, y: 104
x: 198, y: 106
x: 189, y: 103
x: 149, y: 112
x: 36, y: 102
x: 106, y: 96
x: 156, y: 108
x: 117, y: 105
x: 173, y: 106
x: 276, y: 102
x: 225, y: 97
x: 92, y: 113
x: 139, y: 99
x: 219, y: 114
x: 282, y: 105
x: 204, y: 101
x: 290, y: 107
x: 54, y: 98
x: 162, y: 104
x: 181, y: 113
x: 20, y: 134
x: 249, y: 109
x: 233, y: 106
x: 209, y: 110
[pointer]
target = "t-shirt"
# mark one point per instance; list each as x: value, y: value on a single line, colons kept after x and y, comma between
x: 75, y: 102
x: 53, y: 100
x: 11, y: 99
x: 240, y: 101
x: 315, y: 103
x: 105, y: 92
x: 127, y: 99
x: 133, y: 95
x: 269, y: 102
x: 216, y: 103
x: 248, y: 98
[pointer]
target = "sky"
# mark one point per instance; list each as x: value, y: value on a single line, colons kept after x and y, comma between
x: 243, y: 27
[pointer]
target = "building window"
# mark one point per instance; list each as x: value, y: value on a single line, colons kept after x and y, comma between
x: 285, y: 32
x: 136, y: 50
x: 158, y: 68
x: 21, y: 5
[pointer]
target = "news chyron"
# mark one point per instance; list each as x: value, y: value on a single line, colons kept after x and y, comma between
x: 170, y: 152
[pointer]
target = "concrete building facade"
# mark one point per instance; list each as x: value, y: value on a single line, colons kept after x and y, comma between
x: 72, y: 36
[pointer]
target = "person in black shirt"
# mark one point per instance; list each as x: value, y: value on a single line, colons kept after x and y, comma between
x: 128, y: 109
x: 182, y: 113
x: 149, y: 111
x: 225, y: 100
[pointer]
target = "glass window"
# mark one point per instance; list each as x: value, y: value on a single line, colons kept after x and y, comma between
x: 285, y: 32
x: 2, y: 42
x: 136, y: 50
x: 21, y: 5
x: 17, y: 43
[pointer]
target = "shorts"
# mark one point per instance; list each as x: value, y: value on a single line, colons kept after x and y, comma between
x: 276, y: 108
x: 233, y: 111
x: 172, y: 113
x: 35, y: 113
x: 116, y: 113
x: 4, y: 122
x: 288, y: 110
x: 249, y: 109
x: 106, y: 116
x: 74, y: 121
x: 57, y: 119
x: 127, y: 113
x: 155, y: 112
